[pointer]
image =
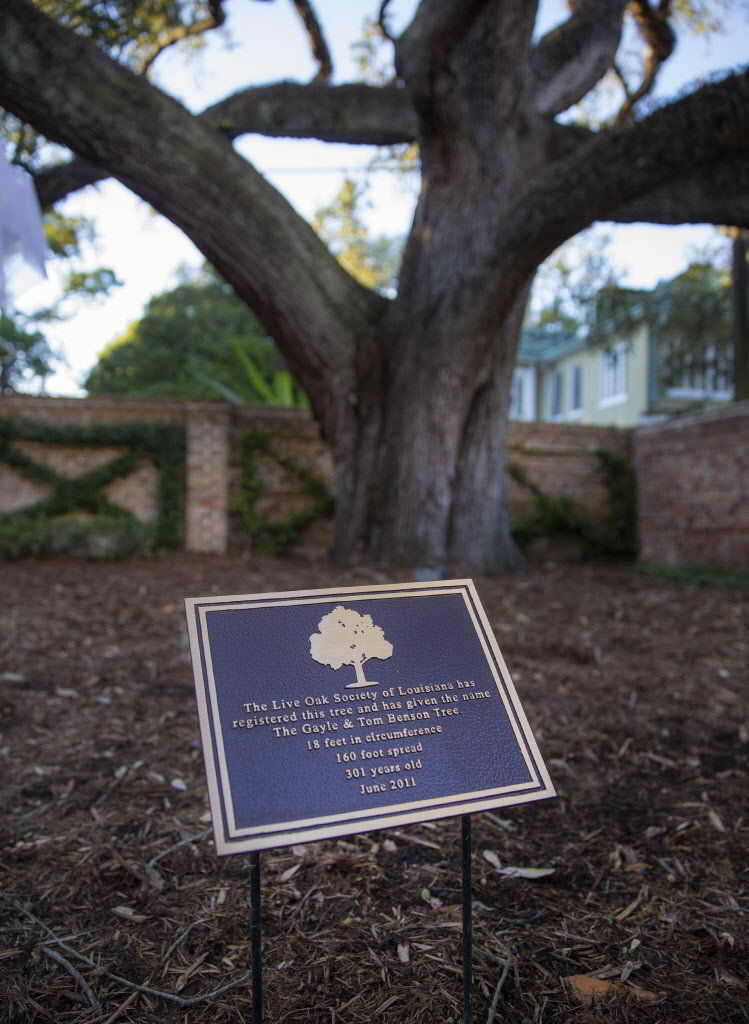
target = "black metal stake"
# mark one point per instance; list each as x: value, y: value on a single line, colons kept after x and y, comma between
x: 257, y: 940
x: 465, y: 853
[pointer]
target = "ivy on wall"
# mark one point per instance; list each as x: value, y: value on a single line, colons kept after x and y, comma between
x: 36, y: 527
x: 275, y: 537
x: 559, y: 516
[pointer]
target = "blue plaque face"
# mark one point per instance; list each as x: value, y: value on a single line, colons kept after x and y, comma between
x: 328, y: 712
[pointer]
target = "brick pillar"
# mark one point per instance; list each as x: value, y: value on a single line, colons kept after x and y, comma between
x: 206, y: 515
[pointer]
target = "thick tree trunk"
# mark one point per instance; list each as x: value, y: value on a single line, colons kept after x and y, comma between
x: 423, y: 485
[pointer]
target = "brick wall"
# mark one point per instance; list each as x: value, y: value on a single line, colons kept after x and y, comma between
x: 207, y: 498
x: 207, y: 472
x: 560, y: 459
x: 693, y: 489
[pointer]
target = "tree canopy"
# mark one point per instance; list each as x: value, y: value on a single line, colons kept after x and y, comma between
x: 411, y: 388
x: 25, y: 355
x: 690, y: 316
x: 191, y: 341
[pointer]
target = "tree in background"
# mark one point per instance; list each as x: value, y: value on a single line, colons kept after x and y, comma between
x: 690, y: 318
x: 566, y: 287
x: 197, y: 340
x: 372, y: 261
x: 25, y: 355
x: 411, y: 391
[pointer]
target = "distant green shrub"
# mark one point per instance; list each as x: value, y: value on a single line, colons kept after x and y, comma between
x: 703, y: 575
x: 99, y: 538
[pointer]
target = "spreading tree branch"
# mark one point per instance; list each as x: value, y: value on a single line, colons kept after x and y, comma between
x: 355, y: 113
x: 55, y: 182
x: 317, y: 42
x: 214, y: 19
x: 714, y: 194
x: 572, y: 58
x: 695, y: 141
x: 659, y: 39
x: 381, y: 22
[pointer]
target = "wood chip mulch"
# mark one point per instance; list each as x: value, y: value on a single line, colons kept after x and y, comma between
x: 115, y: 908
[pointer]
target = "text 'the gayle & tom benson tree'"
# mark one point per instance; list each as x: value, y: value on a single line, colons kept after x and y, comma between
x: 411, y: 391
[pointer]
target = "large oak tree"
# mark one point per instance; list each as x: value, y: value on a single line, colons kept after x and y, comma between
x: 411, y: 392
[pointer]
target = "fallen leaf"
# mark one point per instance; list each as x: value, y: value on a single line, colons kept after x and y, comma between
x: 629, y: 968
x: 129, y: 914
x: 403, y: 953
x: 154, y: 878
x: 726, y: 979
x: 514, y: 872
x: 587, y: 990
x: 289, y: 873
x: 493, y: 859
x: 715, y: 820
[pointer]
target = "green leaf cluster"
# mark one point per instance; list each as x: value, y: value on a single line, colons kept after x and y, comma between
x: 373, y: 261
x: 25, y: 354
x: 127, y: 30
x: 196, y: 340
x: 689, y: 315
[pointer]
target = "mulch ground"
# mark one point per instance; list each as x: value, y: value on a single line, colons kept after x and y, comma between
x: 114, y: 906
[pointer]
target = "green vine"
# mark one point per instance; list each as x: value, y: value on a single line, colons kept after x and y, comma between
x: 617, y: 535
x: 42, y: 525
x: 559, y: 516
x: 275, y: 537
x: 552, y: 516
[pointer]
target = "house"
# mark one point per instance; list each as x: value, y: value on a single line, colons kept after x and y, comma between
x: 631, y: 378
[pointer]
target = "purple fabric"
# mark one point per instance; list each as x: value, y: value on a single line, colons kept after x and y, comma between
x: 22, y: 243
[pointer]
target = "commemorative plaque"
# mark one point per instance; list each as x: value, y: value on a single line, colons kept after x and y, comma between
x: 329, y: 712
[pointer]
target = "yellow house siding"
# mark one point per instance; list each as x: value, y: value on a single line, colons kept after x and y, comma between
x: 596, y: 409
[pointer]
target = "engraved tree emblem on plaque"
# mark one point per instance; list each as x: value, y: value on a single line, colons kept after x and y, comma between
x: 348, y: 638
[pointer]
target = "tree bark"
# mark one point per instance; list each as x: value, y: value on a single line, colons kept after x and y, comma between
x: 423, y: 483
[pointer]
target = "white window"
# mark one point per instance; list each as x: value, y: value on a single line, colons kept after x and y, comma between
x: 556, y: 395
x: 576, y: 389
x: 614, y: 375
x: 523, y: 395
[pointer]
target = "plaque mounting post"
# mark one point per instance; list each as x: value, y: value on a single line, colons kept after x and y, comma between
x: 465, y: 854
x: 257, y: 939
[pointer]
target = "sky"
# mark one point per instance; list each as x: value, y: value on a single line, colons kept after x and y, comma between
x: 265, y: 42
